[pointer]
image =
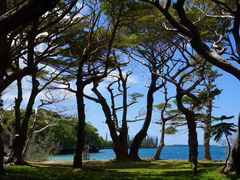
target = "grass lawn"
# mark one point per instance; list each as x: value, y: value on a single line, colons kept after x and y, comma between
x: 147, y: 169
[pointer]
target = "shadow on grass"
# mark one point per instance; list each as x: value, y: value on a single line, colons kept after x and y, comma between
x: 166, y: 170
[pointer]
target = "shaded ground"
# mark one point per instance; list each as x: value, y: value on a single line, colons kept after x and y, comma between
x: 146, y: 169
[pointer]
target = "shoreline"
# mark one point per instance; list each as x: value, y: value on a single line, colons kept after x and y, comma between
x: 102, y: 162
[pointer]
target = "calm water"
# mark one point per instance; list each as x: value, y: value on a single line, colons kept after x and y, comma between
x: 169, y: 152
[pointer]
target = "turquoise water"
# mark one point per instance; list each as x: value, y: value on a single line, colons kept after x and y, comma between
x: 169, y: 152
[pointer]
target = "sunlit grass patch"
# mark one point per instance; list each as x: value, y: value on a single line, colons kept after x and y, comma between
x: 146, y: 169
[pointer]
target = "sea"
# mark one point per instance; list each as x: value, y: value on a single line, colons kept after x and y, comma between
x: 172, y: 152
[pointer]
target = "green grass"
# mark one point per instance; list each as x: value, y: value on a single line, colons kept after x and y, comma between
x: 146, y: 169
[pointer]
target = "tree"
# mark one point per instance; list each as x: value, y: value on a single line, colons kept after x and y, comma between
x: 182, y: 75
x: 33, y: 60
x: 118, y: 128
x: 91, y: 44
x: 166, y: 114
x: 225, y: 129
x: 143, y: 43
x: 207, y: 96
x: 234, y: 162
x: 221, y: 11
x: 154, y: 55
x: 14, y: 18
x: 51, y: 132
x: 2, y: 171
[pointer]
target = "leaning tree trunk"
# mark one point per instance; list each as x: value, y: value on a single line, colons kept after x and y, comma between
x: 234, y: 161
x: 136, y: 144
x: 191, y: 123
x: 229, y: 152
x: 161, y: 143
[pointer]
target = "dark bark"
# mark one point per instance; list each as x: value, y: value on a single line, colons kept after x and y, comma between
x: 192, y: 136
x: 77, y: 161
x: 5, y: 82
x: 188, y: 29
x: 4, y: 56
x: 161, y: 143
x: 81, y: 83
x: 19, y: 141
x: 191, y: 123
x: 133, y: 154
x: 2, y: 171
x: 207, y: 152
x: 233, y: 163
x: 17, y: 129
x: 123, y: 139
x: 26, y: 13
x: 120, y: 145
x: 4, y: 46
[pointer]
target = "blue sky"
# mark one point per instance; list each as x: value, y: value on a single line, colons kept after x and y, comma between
x: 228, y: 103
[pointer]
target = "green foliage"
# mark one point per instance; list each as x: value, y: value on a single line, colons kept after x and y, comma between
x: 135, y: 96
x: 60, y: 136
x: 148, y: 142
x: 162, y: 105
x: 171, y: 130
x: 222, y: 128
x: 222, y: 118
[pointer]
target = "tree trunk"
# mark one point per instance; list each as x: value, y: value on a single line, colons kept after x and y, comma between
x: 192, y: 137
x: 123, y: 136
x: 15, y: 154
x: 233, y: 163
x: 191, y: 123
x: 123, y: 141
x: 4, y: 58
x: 2, y: 171
x: 229, y: 152
x: 161, y: 143
x: 77, y: 161
x: 136, y: 144
x: 27, y: 12
x: 207, y: 153
x: 120, y: 151
x: 207, y: 136
x: 120, y: 145
x: 207, y: 129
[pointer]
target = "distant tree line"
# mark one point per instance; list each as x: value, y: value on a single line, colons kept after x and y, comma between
x: 53, y: 134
